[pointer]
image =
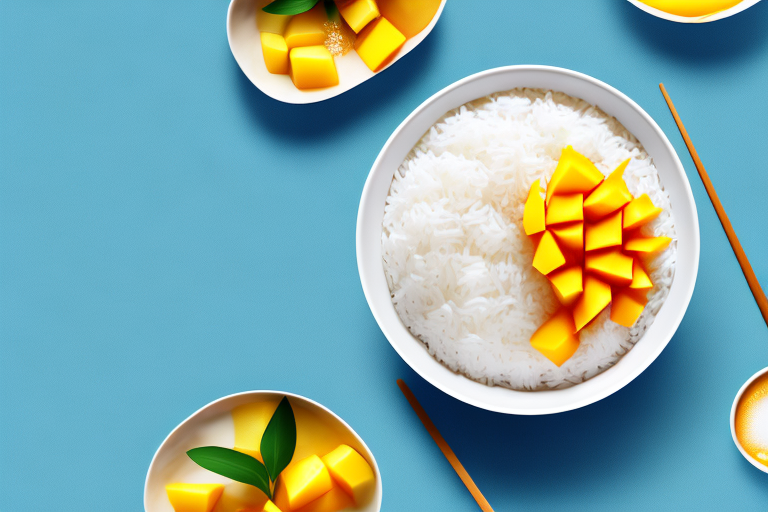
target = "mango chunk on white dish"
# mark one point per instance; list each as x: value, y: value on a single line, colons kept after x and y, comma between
x: 409, y: 16
x: 639, y: 211
x: 548, y: 256
x: 193, y: 497
x: 378, y: 42
x: 556, y: 339
x: 352, y: 472
x: 332, y: 501
x: 312, y: 67
x: 565, y: 208
x: 567, y: 284
x: 611, y: 195
x: 595, y: 297
x: 604, y: 233
x: 641, y: 281
x: 306, y: 29
x: 611, y: 265
x: 534, y: 213
x: 302, y: 482
x: 269, y: 506
x: 626, y: 308
x: 574, y: 174
x: 358, y: 13
x: 647, y: 245
x: 250, y: 421
x: 570, y: 237
x: 275, y: 53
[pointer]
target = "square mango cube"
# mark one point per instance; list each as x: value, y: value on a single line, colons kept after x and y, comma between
x: 358, y: 13
x: 611, y: 265
x: 193, y: 497
x: 302, y: 482
x: 378, y: 42
x: 565, y: 208
x: 275, y: 53
x: 639, y: 211
x: 352, y: 472
x: 602, y: 234
x: 626, y: 308
x: 306, y: 29
x: 556, y: 339
x: 574, y: 174
x: 548, y: 256
x: 332, y: 501
x: 313, y: 67
x: 641, y: 281
x: 609, y: 196
x: 571, y: 238
x: 594, y: 299
x: 567, y: 284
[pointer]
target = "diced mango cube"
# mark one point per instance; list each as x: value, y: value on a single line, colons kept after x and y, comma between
x: 534, y: 214
x: 250, y: 421
x: 270, y: 507
x: 626, y: 308
x: 352, y: 472
x: 556, y: 339
x: 611, y: 265
x: 306, y: 29
x: 604, y: 233
x: 358, y: 13
x: 639, y: 211
x: 193, y: 497
x: 548, y: 256
x: 647, y: 245
x: 272, y: 23
x: 567, y: 284
x: 378, y: 42
x: 609, y: 196
x: 565, y: 208
x: 409, y: 16
x: 641, y: 281
x: 302, y: 482
x: 570, y: 237
x: 313, y: 67
x: 275, y: 53
x: 332, y: 501
x: 574, y: 174
x: 595, y: 297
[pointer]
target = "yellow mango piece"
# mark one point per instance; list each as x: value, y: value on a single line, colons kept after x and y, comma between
x: 609, y: 196
x: 647, y: 245
x: 313, y: 67
x: 640, y: 279
x: 275, y: 53
x: 574, y: 174
x: 352, y: 472
x: 332, y: 501
x: 534, y: 212
x: 250, y: 420
x: 556, y: 339
x: 306, y: 29
x: 378, y: 42
x: 595, y: 297
x: 567, y: 284
x: 548, y: 256
x: 639, y: 211
x: 570, y: 237
x: 193, y: 497
x: 272, y: 23
x: 302, y: 482
x: 409, y: 16
x: 612, y: 266
x: 626, y: 308
x: 604, y: 233
x: 565, y: 208
x: 358, y: 13
x: 270, y: 507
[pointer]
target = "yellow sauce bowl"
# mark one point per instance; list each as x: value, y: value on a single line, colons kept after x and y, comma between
x: 665, y: 8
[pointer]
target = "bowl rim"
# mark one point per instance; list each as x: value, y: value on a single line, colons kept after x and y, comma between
x: 607, y: 390
x: 260, y: 392
x: 727, y: 13
x: 736, y: 400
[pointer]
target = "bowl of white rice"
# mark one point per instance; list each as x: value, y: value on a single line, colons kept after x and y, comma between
x: 445, y: 264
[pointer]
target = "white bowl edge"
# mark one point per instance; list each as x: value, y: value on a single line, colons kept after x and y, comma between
x: 745, y: 4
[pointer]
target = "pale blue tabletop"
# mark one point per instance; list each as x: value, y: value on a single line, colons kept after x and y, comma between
x: 170, y: 235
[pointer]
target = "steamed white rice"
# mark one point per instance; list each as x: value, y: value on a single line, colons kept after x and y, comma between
x: 455, y: 255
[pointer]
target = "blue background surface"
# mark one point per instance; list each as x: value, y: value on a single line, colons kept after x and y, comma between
x: 170, y: 235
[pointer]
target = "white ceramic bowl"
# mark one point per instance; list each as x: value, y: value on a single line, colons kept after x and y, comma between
x: 213, y: 426
x: 695, y: 19
x: 245, y: 43
x: 758, y: 465
x: 371, y: 211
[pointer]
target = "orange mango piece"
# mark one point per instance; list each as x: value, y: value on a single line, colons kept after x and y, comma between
x: 313, y: 67
x: 567, y: 284
x: 302, y: 482
x: 639, y: 211
x: 612, y: 265
x: 548, y: 256
x: 604, y: 233
x: 332, y: 501
x: 574, y: 174
x: 358, y: 13
x: 609, y: 196
x: 594, y: 299
x: 352, y: 472
x: 556, y: 339
x: 275, y: 52
x: 306, y: 29
x: 409, y: 16
x: 565, y: 208
x: 647, y: 244
x: 570, y: 237
x: 378, y: 42
x: 534, y: 212
x: 270, y: 507
x: 641, y: 281
x: 193, y: 497
x: 626, y: 308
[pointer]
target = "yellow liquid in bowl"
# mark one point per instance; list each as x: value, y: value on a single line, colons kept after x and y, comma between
x: 751, y: 421
x: 691, y: 8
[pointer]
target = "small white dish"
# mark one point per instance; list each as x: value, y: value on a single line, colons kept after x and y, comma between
x: 757, y: 464
x: 695, y: 19
x: 212, y: 425
x: 371, y: 212
x: 245, y: 44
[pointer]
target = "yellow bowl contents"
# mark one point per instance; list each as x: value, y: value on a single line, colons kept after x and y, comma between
x: 751, y: 420
x: 691, y: 8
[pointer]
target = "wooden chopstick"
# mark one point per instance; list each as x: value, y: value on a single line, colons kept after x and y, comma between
x: 754, y: 285
x: 432, y: 429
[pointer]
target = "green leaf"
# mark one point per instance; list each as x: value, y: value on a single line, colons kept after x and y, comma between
x: 232, y: 464
x: 289, y: 7
x: 279, y: 440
